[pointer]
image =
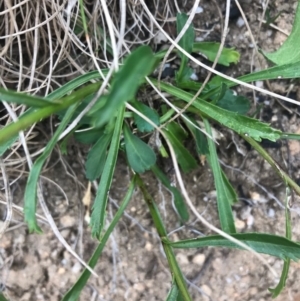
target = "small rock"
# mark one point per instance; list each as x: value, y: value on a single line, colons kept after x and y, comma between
x: 140, y: 287
x: 250, y: 221
x: 271, y: 212
x: 148, y: 246
x: 206, y: 290
x: 182, y: 259
x: 199, y: 259
x: 68, y: 221
x: 76, y: 268
x: 240, y: 22
x: 239, y: 224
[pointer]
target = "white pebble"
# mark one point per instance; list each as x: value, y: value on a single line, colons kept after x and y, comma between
x: 199, y: 10
x: 240, y: 22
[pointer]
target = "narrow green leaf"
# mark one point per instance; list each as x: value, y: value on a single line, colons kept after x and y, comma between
x: 177, y: 130
x: 31, y: 186
x: 223, y: 197
x: 100, y: 202
x: 33, y: 116
x: 5, y: 146
x: 241, y: 124
x: 186, y: 42
x: 210, y: 50
x: 273, y: 245
x: 74, y: 292
x: 230, y: 192
x: 286, y: 71
x: 186, y: 161
x: 173, y: 293
x: 288, y: 234
x: 143, y: 125
x: 126, y: 82
x: 178, y: 199
x: 97, y: 156
x: 199, y: 137
x: 139, y: 154
x: 25, y: 99
x: 289, y: 51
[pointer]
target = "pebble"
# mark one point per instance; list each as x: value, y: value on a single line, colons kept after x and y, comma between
x: 240, y: 22
x: 199, y: 259
x: 148, y: 246
x: 182, y: 259
x: 206, y: 292
x: 76, y: 268
x: 67, y: 221
x: 271, y: 212
x: 140, y: 287
x: 239, y: 224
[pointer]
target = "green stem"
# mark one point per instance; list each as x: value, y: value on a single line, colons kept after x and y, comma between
x: 162, y: 234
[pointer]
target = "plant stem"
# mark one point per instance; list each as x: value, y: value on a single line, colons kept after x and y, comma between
x: 175, y: 270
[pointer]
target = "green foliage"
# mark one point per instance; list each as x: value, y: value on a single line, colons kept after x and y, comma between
x: 108, y: 128
x: 210, y: 50
x: 126, y: 82
x: 289, y: 51
x: 142, y: 124
x: 140, y: 156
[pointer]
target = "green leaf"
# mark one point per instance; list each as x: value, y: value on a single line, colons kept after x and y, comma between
x: 210, y: 50
x: 286, y: 71
x: 137, y: 65
x: 234, y: 103
x: 199, y: 137
x: 5, y: 146
x: 74, y: 292
x: 143, y: 125
x: 100, y: 202
x: 186, y: 161
x: 25, y: 99
x: 241, y: 124
x: 273, y: 245
x: 173, y: 293
x: 88, y: 137
x: 186, y: 42
x: 178, y: 199
x: 97, y: 156
x: 289, y: 51
x: 288, y: 233
x: 177, y: 130
x: 223, y: 195
x: 31, y: 187
x: 230, y: 192
x: 139, y: 154
x: 33, y: 116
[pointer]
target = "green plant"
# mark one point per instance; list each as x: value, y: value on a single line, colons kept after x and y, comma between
x: 115, y: 123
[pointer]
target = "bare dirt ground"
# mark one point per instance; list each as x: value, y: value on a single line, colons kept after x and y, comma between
x: 133, y: 267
